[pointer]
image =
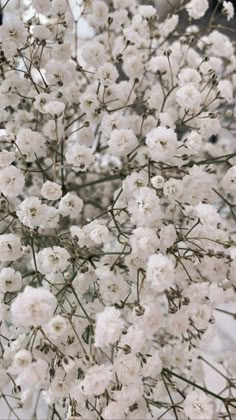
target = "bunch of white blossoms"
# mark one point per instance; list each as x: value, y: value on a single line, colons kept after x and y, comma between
x: 117, y: 209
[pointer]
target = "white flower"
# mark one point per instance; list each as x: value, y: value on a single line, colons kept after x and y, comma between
x: 51, y: 218
x: 57, y: 327
x: 94, y: 54
x: 221, y: 45
x: 114, y: 410
x: 144, y: 207
x: 159, y: 64
x: 10, y: 280
x: 189, y: 98
x: 70, y: 205
x: 160, y: 272
x: 197, y: 8
x: 109, y: 325
x: 147, y: 11
x: 33, y: 307
x: 34, y: 375
x: 157, y: 182
x: 144, y: 241
x: 12, y: 181
x: 133, y: 67
x: 107, y: 74
x: 228, y: 9
x: 229, y: 181
x: 189, y: 76
x: 201, y: 316
x: 96, y: 380
x: 122, y: 142
x: 226, y: 90
x: 4, y: 377
x: 153, y: 366
x: 193, y: 143
x: 173, y: 189
x: 162, y: 143
x: 80, y: 235
x: 198, y: 406
x: 51, y: 190
x: 167, y: 237
x: 6, y: 158
x: 97, y: 232
x: 22, y: 359
x: 41, y: 32
x: 11, y: 248
x: 31, y: 212
x: 169, y: 25
x: 134, y: 182
x: 80, y: 157
x: 42, y: 6
x: 13, y: 31
x: 55, y: 108
x: 99, y: 12
x: 51, y: 260
x: 208, y: 214
x: 31, y: 144
x: 112, y: 287
x: 127, y: 369
x: 40, y: 101
x: 89, y: 103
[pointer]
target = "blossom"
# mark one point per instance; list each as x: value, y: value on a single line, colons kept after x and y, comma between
x: 127, y: 369
x: 157, y: 181
x: 122, y: 142
x: 197, y: 8
x: 41, y: 32
x: 6, y: 158
x: 107, y: 74
x: 55, y: 108
x: 42, y: 6
x: 70, y: 205
x: 228, y: 9
x: 33, y: 306
x: 225, y: 89
x: 100, y: 12
x: 162, y: 143
x: 57, y: 327
x: 12, y: 181
x: 197, y: 405
x: 53, y: 259
x: 30, y: 144
x: 229, y: 180
x: 22, y: 359
x: 109, y: 325
x: 192, y: 143
x: 143, y: 241
x: 189, y: 98
x: 80, y: 157
x: 14, y: 32
x: 96, y: 380
x: 144, y: 207
x: 10, y: 280
x: 160, y: 272
x: 32, y: 212
x: 97, y: 232
x: 11, y: 248
x: 51, y: 190
x: 40, y: 101
x: 189, y: 76
x: 94, y: 54
x: 34, y: 375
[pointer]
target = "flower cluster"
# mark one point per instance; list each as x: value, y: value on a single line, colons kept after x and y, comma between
x: 117, y: 208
